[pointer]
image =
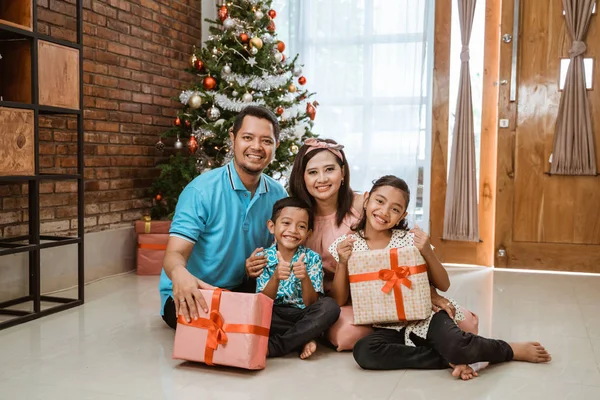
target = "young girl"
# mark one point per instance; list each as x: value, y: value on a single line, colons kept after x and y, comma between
x: 440, y: 343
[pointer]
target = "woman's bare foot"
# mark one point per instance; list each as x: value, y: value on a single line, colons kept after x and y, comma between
x: 531, y: 352
x: 464, y: 372
x: 308, y: 350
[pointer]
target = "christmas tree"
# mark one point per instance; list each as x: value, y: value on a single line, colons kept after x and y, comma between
x: 242, y: 63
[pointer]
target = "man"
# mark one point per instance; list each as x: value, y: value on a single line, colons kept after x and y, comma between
x: 220, y: 219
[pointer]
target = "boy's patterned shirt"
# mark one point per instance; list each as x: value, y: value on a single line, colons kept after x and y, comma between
x: 290, y: 290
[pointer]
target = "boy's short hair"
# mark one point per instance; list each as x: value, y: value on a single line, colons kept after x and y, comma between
x: 291, y: 202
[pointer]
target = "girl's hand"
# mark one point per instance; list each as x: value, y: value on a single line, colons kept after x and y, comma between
x: 439, y: 303
x: 344, y: 249
x: 421, y: 239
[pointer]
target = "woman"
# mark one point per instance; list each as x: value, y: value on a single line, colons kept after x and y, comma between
x: 321, y: 177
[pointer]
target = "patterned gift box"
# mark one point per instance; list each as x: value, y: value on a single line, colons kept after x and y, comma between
x: 235, y: 332
x: 389, y: 286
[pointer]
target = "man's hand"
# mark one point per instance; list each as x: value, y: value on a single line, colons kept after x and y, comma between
x: 283, y: 269
x: 344, y: 249
x: 255, y: 264
x: 186, y: 294
x: 300, y: 268
x: 421, y: 239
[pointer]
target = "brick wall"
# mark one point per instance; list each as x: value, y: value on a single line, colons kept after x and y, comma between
x: 135, y: 53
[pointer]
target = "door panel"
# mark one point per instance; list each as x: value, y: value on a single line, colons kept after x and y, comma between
x: 554, y: 220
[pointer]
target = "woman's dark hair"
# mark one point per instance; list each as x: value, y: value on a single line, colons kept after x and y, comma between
x: 258, y: 112
x: 387, y: 180
x: 297, y: 187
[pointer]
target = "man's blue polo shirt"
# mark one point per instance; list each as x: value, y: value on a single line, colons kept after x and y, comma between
x: 217, y: 213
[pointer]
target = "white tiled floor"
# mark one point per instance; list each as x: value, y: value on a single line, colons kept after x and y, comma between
x: 116, y: 347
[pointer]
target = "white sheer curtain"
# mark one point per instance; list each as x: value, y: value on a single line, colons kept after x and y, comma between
x: 370, y: 63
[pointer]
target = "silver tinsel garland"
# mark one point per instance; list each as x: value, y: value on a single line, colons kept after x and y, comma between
x: 234, y: 105
x: 294, y: 132
x: 265, y: 82
x: 184, y: 97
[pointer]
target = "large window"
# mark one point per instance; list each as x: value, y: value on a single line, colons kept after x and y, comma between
x: 370, y: 63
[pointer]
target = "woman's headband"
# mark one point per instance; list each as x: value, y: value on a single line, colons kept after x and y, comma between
x: 314, y: 144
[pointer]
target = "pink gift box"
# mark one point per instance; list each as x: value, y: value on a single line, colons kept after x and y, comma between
x: 234, y: 333
x: 151, y: 253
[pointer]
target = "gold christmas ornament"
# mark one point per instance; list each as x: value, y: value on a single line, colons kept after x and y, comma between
x: 292, y: 88
x: 256, y: 42
x: 195, y: 102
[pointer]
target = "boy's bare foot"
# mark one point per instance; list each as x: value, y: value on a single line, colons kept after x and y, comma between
x: 464, y: 372
x: 531, y: 352
x: 308, y: 350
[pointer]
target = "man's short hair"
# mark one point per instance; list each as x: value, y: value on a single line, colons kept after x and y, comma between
x: 292, y: 202
x: 258, y: 112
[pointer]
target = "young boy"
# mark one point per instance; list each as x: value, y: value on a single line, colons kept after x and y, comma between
x: 293, y: 277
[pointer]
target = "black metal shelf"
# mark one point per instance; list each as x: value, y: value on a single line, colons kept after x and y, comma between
x: 40, y: 177
x: 10, y: 32
x: 44, y: 110
x: 16, y: 250
x: 25, y: 316
x: 35, y: 242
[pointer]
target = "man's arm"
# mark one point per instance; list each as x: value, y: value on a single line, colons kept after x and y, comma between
x: 186, y: 294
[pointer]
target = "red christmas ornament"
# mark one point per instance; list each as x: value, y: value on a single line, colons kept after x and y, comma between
x: 280, y: 46
x: 158, y: 197
x: 223, y: 13
x: 272, y: 13
x: 302, y: 80
x: 188, y: 124
x: 177, y: 121
x: 244, y: 37
x: 271, y: 26
x: 311, y: 111
x: 279, y: 110
x: 198, y: 64
x: 282, y: 57
x: 193, y: 144
x: 209, y: 83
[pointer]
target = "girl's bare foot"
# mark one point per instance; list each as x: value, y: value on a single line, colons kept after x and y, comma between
x: 308, y: 350
x: 531, y: 352
x: 464, y: 372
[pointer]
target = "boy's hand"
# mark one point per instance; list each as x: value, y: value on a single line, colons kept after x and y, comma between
x: 283, y: 269
x: 421, y: 239
x: 344, y: 249
x: 300, y: 268
x: 255, y: 264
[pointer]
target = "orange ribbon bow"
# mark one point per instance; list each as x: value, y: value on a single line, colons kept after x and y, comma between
x: 394, y: 278
x: 218, y: 329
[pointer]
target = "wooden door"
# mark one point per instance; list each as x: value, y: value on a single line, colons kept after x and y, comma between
x: 542, y: 221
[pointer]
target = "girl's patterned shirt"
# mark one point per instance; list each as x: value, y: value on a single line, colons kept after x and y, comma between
x: 399, y: 239
x: 290, y: 290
